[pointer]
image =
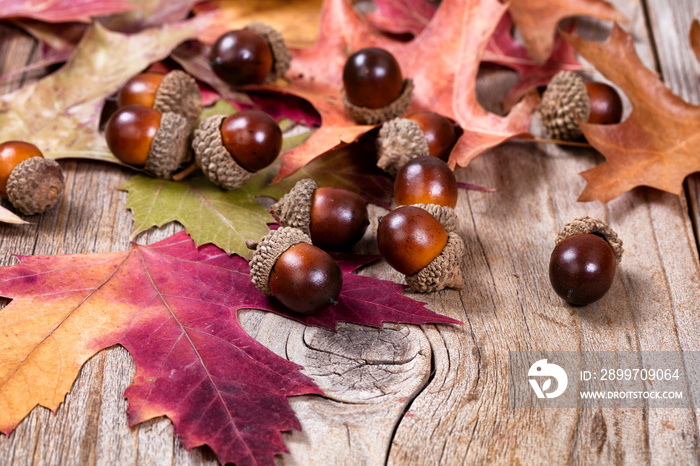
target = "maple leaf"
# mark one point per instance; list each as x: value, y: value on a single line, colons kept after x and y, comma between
x: 504, y: 50
x: 61, y: 113
x: 443, y: 61
x: 537, y: 20
x: 8, y: 217
x: 62, y: 11
x: 658, y: 145
x: 695, y: 37
x: 296, y: 20
x: 173, y: 307
x: 401, y: 16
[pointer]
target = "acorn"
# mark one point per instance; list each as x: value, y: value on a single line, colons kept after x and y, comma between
x: 568, y: 99
x: 429, y: 183
x: 334, y: 218
x: 254, y: 55
x: 414, y: 243
x: 230, y: 149
x: 146, y: 138
x: 32, y: 183
x: 175, y: 92
x: 418, y: 134
x: 374, y: 89
x: 583, y: 263
x: 301, y: 276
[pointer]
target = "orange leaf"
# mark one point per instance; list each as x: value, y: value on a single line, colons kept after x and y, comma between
x: 537, y: 20
x: 296, y: 20
x: 443, y: 61
x: 658, y: 145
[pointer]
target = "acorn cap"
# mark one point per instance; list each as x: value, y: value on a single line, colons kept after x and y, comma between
x: 444, y: 271
x: 213, y: 158
x: 400, y: 140
x: 374, y: 116
x: 281, y: 57
x: 170, y: 147
x: 178, y: 93
x: 35, y: 185
x: 591, y: 226
x: 294, y: 209
x: 565, y: 100
x: 268, y: 250
x: 446, y: 215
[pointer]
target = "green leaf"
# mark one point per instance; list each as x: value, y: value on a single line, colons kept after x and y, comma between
x: 61, y: 113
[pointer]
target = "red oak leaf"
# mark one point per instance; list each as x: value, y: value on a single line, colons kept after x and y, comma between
x: 443, y: 61
x: 658, y: 145
x: 401, y: 16
x: 504, y: 50
x: 62, y: 11
x: 173, y: 307
x: 537, y: 20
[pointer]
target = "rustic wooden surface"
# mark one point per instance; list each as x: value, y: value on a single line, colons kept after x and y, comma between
x: 430, y: 394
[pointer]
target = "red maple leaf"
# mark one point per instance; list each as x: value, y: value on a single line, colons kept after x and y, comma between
x: 173, y: 307
x: 443, y: 61
x: 504, y: 50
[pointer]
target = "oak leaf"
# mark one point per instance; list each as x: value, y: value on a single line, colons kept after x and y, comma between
x: 443, y: 61
x: 537, y: 20
x: 401, y: 16
x: 173, y: 307
x: 61, y: 113
x: 504, y: 50
x: 62, y: 11
x: 658, y: 145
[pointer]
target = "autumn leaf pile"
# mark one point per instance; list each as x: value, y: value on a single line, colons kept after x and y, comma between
x: 185, y: 339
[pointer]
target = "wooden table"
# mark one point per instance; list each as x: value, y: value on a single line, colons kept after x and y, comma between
x: 434, y: 394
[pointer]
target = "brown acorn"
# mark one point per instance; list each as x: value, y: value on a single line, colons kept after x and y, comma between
x: 301, y: 276
x: 32, y: 183
x: 568, y: 99
x: 414, y: 243
x: 334, y: 218
x: 230, y: 149
x: 143, y: 137
x: 374, y: 90
x: 583, y: 263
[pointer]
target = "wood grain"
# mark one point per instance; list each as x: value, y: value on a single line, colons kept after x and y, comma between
x: 430, y: 394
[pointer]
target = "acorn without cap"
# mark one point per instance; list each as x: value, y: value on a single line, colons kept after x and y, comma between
x: 568, y: 100
x: 32, y: 183
x: 373, y: 86
x: 413, y: 242
x: 175, y: 92
x: 143, y: 137
x: 301, y: 276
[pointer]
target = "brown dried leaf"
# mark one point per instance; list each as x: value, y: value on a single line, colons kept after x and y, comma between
x: 658, y: 145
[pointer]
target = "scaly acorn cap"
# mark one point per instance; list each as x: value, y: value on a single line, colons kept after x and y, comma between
x: 591, y: 226
x: 268, y: 250
x: 444, y: 271
x: 213, y: 158
x: 374, y: 116
x: 446, y: 215
x: 400, y: 140
x: 565, y: 100
x: 170, y: 146
x: 178, y: 93
x: 281, y: 57
x: 294, y: 209
x: 35, y: 185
